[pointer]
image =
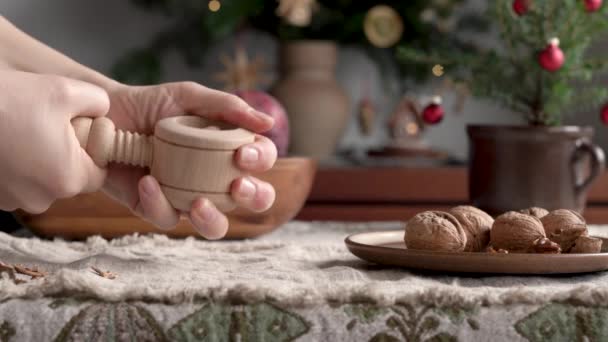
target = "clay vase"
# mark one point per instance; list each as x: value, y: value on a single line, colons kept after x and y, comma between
x: 517, y: 167
x: 317, y: 107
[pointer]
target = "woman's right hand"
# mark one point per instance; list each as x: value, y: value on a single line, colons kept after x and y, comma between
x: 40, y: 158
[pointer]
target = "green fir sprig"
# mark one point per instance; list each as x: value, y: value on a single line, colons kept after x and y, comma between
x: 511, y: 74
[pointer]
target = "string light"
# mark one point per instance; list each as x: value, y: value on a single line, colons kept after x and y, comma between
x: 438, y: 70
x: 214, y: 5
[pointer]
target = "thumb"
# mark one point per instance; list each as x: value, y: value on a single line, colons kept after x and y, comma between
x: 94, y: 176
x: 83, y: 174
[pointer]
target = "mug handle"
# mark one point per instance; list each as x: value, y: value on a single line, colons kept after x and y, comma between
x: 598, y: 163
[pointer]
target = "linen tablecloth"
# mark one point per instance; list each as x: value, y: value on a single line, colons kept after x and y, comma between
x: 298, y: 283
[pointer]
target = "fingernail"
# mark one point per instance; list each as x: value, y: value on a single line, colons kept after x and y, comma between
x: 148, y: 187
x: 204, y: 212
x: 247, y: 189
x: 249, y: 155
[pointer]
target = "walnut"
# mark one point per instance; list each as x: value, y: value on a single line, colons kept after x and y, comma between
x: 587, y: 244
x: 564, y: 226
x: 476, y: 224
x: 516, y: 232
x: 435, y: 231
x: 535, y: 211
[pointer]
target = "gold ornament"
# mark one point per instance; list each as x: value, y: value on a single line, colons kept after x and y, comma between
x: 214, y: 5
x: 383, y: 26
x: 240, y: 73
x: 296, y: 12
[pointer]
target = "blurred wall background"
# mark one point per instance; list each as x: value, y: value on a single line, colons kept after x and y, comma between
x: 96, y: 33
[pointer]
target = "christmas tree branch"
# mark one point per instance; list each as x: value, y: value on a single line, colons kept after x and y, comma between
x: 515, y: 77
x: 502, y: 13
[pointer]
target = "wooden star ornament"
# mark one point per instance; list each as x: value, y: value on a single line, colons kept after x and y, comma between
x: 240, y: 73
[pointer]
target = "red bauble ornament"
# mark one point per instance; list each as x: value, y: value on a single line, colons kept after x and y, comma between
x: 552, y: 57
x: 265, y: 103
x: 593, y: 5
x: 604, y: 115
x: 520, y: 7
x: 433, y: 113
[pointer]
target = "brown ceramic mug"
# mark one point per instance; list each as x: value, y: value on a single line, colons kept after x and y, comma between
x: 516, y: 167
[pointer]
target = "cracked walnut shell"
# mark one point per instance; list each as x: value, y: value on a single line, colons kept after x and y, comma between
x: 587, y: 244
x: 435, y: 231
x: 476, y: 224
x: 564, y: 226
x: 516, y: 232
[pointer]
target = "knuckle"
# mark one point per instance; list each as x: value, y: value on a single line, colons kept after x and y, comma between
x: 104, y: 102
x: 61, y: 89
x: 189, y: 86
x: 232, y: 99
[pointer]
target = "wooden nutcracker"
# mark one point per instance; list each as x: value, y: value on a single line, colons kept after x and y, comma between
x: 190, y: 156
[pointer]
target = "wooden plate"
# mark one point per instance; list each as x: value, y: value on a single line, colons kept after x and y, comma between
x: 388, y: 248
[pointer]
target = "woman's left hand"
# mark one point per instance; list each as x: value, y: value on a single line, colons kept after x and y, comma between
x: 138, y: 108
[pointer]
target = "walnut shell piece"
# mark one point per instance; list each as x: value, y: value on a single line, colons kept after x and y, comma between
x: 516, y: 232
x: 435, y: 231
x: 564, y: 226
x: 587, y: 244
x: 545, y: 246
x: 476, y: 224
x: 535, y: 211
x: 491, y: 250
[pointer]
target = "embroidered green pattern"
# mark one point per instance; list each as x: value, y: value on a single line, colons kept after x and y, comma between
x: 560, y: 322
x: 6, y: 331
x: 404, y: 322
x: 210, y: 323
x: 112, y: 322
x: 362, y: 313
x: 268, y: 322
x: 259, y: 322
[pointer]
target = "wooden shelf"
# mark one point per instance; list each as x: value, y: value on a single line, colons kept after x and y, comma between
x: 391, y: 185
x: 391, y: 193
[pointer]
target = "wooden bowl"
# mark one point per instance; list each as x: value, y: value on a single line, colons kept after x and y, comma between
x: 96, y: 214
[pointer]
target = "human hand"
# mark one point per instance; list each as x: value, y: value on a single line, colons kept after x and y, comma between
x: 138, y: 109
x: 41, y: 158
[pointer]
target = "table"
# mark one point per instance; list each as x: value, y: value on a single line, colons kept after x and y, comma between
x: 298, y: 282
x: 355, y: 193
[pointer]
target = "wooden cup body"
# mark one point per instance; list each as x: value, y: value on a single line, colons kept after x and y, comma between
x: 191, y: 160
x: 186, y: 173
